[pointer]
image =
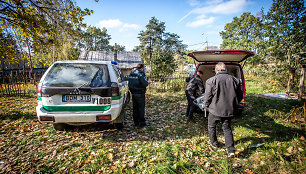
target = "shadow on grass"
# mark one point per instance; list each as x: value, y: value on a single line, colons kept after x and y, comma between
x: 255, y: 118
x: 164, y: 113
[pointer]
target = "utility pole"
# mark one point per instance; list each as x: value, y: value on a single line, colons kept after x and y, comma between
x: 205, y: 41
x: 115, y: 53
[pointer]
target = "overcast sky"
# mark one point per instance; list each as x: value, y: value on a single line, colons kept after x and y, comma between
x: 195, y: 21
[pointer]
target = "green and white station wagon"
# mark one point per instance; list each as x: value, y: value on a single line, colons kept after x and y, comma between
x: 82, y: 92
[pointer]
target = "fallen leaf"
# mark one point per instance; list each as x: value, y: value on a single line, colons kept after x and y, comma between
x: 290, y: 149
x: 110, y: 156
x: 257, y: 159
x: 248, y: 171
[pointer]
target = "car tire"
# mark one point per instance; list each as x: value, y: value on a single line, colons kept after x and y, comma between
x: 120, y: 125
x: 59, y: 126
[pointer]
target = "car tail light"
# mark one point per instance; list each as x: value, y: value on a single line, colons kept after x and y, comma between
x: 46, y: 118
x: 243, y: 86
x: 39, y: 91
x: 115, y: 90
x: 242, y: 102
x: 103, y: 117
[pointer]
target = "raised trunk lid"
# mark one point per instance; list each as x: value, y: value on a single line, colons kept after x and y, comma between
x: 221, y: 55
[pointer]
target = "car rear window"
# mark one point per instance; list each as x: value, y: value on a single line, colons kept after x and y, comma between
x: 77, y: 75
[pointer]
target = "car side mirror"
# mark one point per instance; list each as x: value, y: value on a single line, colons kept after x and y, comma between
x: 126, y: 78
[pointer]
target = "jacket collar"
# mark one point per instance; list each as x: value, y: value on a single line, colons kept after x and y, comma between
x: 222, y: 72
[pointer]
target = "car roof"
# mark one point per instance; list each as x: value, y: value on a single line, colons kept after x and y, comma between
x: 84, y: 61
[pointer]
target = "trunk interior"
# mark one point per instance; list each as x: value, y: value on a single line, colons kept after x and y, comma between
x: 209, y: 71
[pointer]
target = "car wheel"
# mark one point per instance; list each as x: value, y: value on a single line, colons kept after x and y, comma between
x: 59, y: 126
x: 119, y: 124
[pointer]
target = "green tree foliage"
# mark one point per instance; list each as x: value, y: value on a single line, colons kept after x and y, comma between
x: 8, y: 47
x: 96, y: 39
x: 286, y: 32
x: 119, y: 47
x: 163, y: 63
x: 44, y: 30
x: 151, y: 39
x: 245, y: 33
x: 277, y: 38
x: 158, y: 47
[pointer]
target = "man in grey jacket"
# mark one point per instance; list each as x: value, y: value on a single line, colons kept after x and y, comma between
x: 222, y: 97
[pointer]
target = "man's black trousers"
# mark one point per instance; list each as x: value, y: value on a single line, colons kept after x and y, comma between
x: 139, y: 108
x: 227, y: 130
x: 190, y: 107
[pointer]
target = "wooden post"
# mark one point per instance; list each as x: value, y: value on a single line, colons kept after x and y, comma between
x: 302, y: 79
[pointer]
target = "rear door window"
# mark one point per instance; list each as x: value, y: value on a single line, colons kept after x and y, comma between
x: 119, y: 74
x: 77, y: 75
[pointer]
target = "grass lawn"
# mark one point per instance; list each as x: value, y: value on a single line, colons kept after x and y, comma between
x: 169, y: 145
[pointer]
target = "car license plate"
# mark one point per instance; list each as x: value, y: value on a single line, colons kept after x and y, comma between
x: 76, y: 98
x: 101, y: 100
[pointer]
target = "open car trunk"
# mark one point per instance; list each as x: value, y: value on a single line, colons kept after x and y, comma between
x: 231, y: 58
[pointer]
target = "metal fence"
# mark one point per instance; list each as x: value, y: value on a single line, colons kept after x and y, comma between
x: 166, y: 83
x: 25, y: 84
x: 18, y: 83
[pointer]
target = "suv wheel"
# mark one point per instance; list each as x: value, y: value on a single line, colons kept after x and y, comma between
x: 59, y: 126
x: 119, y: 124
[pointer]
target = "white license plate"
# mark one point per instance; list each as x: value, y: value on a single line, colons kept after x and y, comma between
x: 76, y: 98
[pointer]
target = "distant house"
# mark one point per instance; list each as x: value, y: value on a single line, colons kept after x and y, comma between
x: 126, y: 60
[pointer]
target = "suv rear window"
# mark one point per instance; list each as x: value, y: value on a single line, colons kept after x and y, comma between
x: 77, y: 75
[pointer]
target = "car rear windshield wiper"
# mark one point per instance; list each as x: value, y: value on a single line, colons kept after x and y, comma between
x: 89, y: 82
x: 84, y: 84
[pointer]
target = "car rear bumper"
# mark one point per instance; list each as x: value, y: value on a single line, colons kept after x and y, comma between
x: 82, y: 117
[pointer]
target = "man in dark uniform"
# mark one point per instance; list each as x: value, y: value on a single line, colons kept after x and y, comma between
x: 222, y: 97
x: 137, y: 86
x: 196, y: 83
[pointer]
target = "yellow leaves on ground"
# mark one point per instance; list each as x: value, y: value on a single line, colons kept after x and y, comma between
x: 110, y: 156
x: 248, y: 171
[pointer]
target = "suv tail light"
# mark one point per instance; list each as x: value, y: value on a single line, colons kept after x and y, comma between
x: 46, y: 118
x: 243, y: 89
x: 115, y: 89
x: 39, y: 91
x: 103, y: 117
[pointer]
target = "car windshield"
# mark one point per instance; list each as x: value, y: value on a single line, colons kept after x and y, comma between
x: 77, y: 75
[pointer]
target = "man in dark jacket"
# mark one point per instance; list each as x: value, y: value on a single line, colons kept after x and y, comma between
x: 196, y: 83
x: 222, y: 97
x: 137, y: 86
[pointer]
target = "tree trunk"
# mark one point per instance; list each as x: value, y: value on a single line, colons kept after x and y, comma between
x: 291, y: 74
x: 302, y: 79
x: 290, y: 80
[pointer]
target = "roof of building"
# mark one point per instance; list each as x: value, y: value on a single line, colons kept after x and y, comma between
x: 125, y: 59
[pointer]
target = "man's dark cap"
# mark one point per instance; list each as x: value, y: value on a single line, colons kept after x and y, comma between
x: 201, y: 72
x: 139, y: 66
